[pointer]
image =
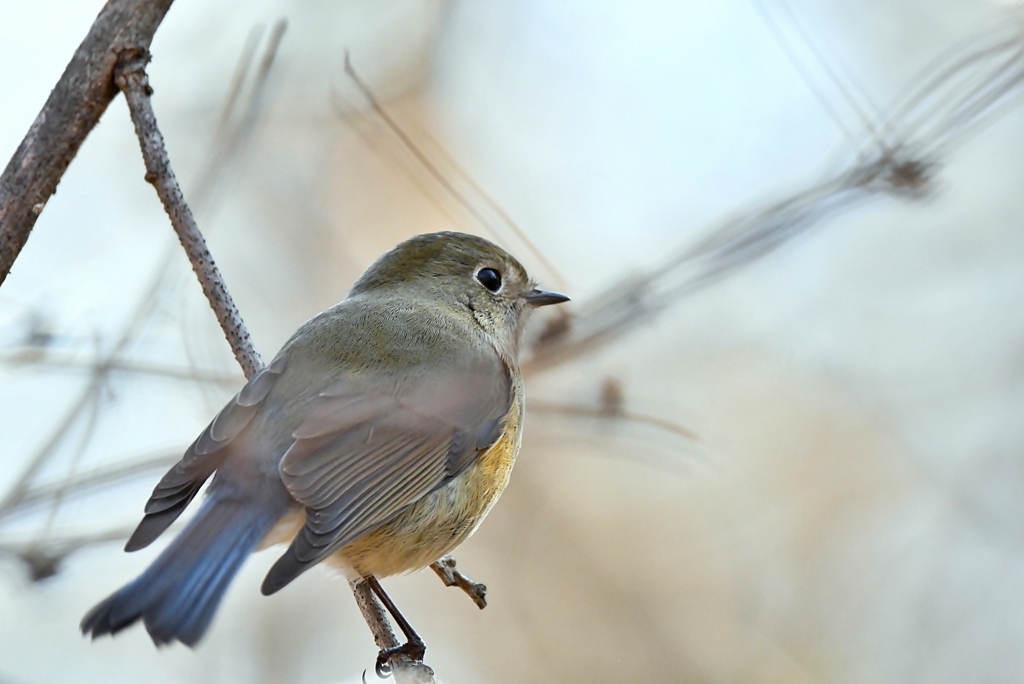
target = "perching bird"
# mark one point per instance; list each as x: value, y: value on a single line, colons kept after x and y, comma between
x: 376, y: 440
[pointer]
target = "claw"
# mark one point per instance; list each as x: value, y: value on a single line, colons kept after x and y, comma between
x: 383, y: 667
x: 415, y: 650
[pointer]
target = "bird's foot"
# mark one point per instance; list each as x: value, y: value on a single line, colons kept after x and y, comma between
x: 412, y: 649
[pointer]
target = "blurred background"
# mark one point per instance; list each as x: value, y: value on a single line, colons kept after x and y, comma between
x: 791, y: 229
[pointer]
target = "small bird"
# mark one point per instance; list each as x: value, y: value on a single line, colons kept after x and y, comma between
x: 376, y: 440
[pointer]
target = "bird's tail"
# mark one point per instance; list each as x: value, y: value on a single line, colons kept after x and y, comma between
x: 178, y: 594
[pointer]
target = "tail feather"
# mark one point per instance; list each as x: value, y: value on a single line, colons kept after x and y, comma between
x: 177, y: 596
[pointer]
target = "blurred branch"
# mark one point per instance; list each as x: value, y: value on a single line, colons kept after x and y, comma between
x: 626, y: 304
x: 954, y: 96
x: 21, y: 486
x: 853, y: 93
x: 73, y: 108
x: 130, y: 76
x: 360, y: 125
x: 964, y: 88
x: 91, y: 420
x: 229, y: 138
x: 44, y: 558
x: 678, y: 430
x: 431, y: 168
x: 227, y: 142
x: 97, y: 477
x: 50, y: 359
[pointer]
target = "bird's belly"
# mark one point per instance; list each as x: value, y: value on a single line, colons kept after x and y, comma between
x: 431, y: 527
x: 440, y: 521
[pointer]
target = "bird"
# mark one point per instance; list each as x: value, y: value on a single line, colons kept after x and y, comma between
x: 376, y: 441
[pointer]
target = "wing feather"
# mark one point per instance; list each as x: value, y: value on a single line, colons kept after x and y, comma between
x: 180, y: 485
x: 371, y: 446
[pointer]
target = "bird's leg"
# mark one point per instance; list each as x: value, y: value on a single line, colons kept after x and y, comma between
x: 452, y: 577
x: 413, y: 647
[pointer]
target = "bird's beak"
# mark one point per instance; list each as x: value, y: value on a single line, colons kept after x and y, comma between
x: 537, y: 297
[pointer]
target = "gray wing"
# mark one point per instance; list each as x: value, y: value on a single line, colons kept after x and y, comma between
x: 371, y: 446
x: 179, y: 486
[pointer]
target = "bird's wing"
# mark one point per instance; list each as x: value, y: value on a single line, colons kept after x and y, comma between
x: 181, y: 483
x: 371, y: 445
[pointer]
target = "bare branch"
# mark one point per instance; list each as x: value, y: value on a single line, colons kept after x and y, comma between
x: 453, y: 577
x: 130, y: 76
x: 74, y: 107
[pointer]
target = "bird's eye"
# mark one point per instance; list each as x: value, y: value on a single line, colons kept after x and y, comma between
x: 489, y: 278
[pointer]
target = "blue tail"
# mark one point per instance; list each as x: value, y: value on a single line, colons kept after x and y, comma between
x: 178, y: 594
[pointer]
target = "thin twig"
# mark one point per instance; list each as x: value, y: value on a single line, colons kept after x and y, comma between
x: 445, y: 568
x: 130, y: 76
x: 74, y: 107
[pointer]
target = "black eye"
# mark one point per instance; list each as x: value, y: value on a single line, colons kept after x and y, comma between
x: 489, y: 278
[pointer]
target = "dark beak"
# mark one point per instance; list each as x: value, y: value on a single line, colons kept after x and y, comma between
x: 537, y: 297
